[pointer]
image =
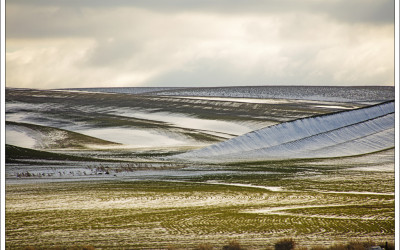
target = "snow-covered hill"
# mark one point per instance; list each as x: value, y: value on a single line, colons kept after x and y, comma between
x: 344, y: 133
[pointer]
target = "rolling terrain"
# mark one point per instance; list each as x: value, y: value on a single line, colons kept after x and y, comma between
x: 158, y: 168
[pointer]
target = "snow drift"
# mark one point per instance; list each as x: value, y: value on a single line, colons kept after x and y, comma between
x: 346, y: 133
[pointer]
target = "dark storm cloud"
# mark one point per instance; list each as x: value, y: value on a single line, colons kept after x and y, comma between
x: 33, y: 21
x: 368, y: 11
x: 353, y: 11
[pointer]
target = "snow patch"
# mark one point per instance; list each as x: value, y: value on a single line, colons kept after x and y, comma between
x: 237, y: 99
x: 274, y: 189
x: 138, y: 138
x: 28, y: 138
x: 190, y: 122
x: 19, y: 138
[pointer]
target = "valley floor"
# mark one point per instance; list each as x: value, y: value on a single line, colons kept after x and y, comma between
x: 318, y: 202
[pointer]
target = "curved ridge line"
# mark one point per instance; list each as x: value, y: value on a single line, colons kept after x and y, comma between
x: 232, y: 155
x: 256, y: 132
x: 383, y: 131
x: 319, y: 134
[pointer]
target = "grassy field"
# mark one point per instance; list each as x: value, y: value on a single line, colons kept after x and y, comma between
x: 318, y: 207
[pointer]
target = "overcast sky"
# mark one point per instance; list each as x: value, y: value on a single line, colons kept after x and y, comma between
x: 107, y: 43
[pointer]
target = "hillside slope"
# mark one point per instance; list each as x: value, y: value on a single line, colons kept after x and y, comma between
x: 346, y: 133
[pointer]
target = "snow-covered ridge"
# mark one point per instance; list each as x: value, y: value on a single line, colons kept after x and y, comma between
x: 345, y: 133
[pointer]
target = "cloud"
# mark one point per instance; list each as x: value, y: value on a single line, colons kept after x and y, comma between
x: 59, y: 18
x: 358, y: 11
x: 141, y: 43
x: 286, y: 51
x: 367, y: 10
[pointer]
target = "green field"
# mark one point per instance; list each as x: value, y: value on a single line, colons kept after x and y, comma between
x: 315, y: 206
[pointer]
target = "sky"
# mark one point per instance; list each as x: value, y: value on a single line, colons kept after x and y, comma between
x: 192, y: 43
